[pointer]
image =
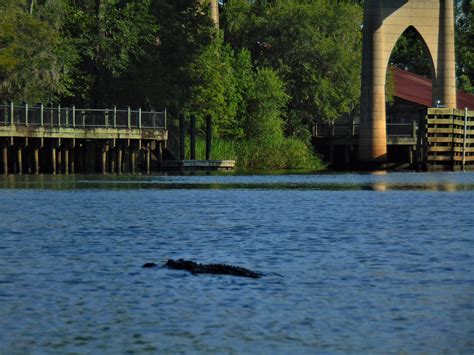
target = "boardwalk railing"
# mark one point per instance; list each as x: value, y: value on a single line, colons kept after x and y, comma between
x: 71, y: 117
x: 352, y: 130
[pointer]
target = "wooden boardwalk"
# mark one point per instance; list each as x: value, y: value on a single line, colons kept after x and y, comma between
x: 67, y: 140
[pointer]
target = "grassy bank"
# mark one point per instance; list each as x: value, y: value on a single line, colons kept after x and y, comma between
x: 285, y: 153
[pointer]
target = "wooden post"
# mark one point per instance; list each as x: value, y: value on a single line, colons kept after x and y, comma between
x: 19, y: 167
x: 106, y: 117
x: 28, y: 156
x: 104, y: 159
x: 12, y: 113
x: 140, y: 118
x: 159, y: 154
x: 193, y: 137
x: 73, y: 116
x: 41, y: 115
x: 115, y: 116
x: 119, y: 158
x: 36, y: 158
x: 66, y: 160
x: 5, y: 158
x: 72, y: 160
x: 166, y: 117
x: 112, y: 160
x: 208, y: 137
x: 80, y: 157
x: 129, y: 117
x: 133, y: 159
x: 182, y: 136
x: 148, y: 158
x: 59, y: 160
x: 26, y: 114
x: 464, y: 141
x: 53, y: 158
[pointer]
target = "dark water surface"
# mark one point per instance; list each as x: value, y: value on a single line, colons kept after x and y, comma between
x: 368, y: 263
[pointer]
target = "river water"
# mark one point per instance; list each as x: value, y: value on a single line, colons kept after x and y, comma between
x: 352, y: 263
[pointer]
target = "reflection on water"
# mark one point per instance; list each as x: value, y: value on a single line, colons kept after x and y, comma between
x: 369, y: 263
x: 376, y: 181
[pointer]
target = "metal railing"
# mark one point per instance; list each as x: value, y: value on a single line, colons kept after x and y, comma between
x: 71, y: 117
x: 352, y: 130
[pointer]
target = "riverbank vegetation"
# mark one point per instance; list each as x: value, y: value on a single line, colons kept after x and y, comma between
x: 272, y: 68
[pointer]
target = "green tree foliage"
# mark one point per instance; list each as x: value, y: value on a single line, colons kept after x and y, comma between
x: 108, y: 35
x: 214, y: 89
x: 314, y: 46
x: 265, y: 104
x: 186, y: 32
x: 410, y: 54
x: 33, y: 56
x: 465, y: 45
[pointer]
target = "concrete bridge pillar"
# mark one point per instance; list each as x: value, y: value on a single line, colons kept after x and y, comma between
x: 446, y: 58
x: 214, y: 10
x: 384, y: 23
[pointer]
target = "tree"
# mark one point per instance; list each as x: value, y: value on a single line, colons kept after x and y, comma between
x: 465, y: 45
x: 313, y: 46
x: 409, y: 54
x: 33, y: 56
x: 109, y: 35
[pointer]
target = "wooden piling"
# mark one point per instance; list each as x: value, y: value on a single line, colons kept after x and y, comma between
x: 104, y: 159
x: 193, y: 137
x: 59, y: 161
x: 159, y: 154
x: 208, y: 137
x: 19, y: 166
x: 66, y: 160
x: 72, y: 161
x: 119, y: 158
x: 5, y: 158
x: 148, y: 158
x: 36, y: 159
x: 133, y: 159
x: 112, y: 160
x: 53, y: 159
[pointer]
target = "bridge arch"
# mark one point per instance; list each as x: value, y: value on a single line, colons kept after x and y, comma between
x: 384, y: 22
x: 427, y: 52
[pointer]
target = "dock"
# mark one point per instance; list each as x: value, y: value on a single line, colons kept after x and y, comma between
x: 58, y: 140
x: 441, y: 139
x: 199, y: 165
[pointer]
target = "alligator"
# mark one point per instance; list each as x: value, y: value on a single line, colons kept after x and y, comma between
x: 196, y: 268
